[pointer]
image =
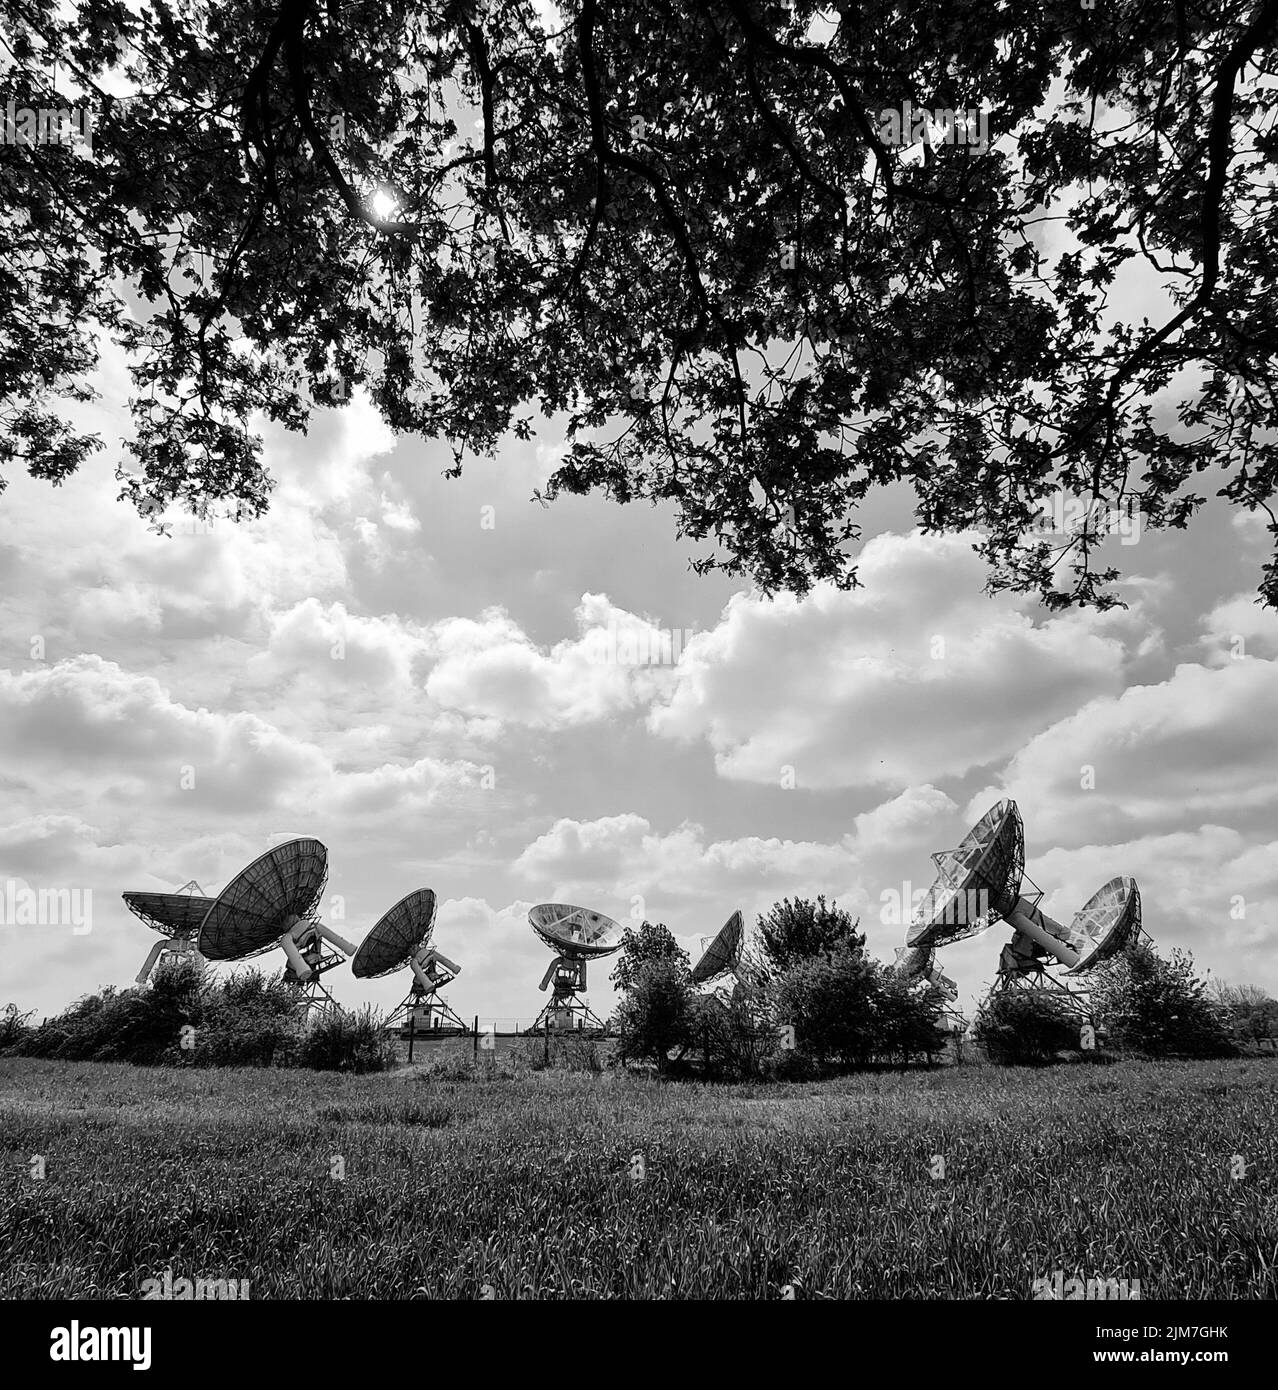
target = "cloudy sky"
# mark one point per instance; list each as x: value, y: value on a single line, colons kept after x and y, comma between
x: 419, y: 672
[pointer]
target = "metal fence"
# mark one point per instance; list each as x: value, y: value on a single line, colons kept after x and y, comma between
x: 481, y: 1032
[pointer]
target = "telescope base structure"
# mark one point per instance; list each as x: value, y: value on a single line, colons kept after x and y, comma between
x: 425, y: 1014
x: 1032, y: 977
x: 313, y: 1000
x: 167, y: 952
x: 568, y: 1014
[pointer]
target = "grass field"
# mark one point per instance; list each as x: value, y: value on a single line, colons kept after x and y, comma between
x: 522, y: 1182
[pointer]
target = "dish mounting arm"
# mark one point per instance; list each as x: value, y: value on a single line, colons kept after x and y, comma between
x: 144, y: 973
x: 289, y: 943
x: 439, y: 958
x: 332, y: 938
x: 1043, y: 931
x: 423, y: 961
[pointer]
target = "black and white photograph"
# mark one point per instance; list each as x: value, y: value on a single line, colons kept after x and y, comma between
x: 638, y: 664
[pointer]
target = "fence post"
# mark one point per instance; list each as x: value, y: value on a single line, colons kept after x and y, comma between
x: 412, y: 1029
x: 474, y: 1047
x: 547, y: 1031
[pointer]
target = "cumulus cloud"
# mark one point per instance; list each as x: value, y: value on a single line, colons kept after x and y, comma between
x: 88, y: 723
x: 915, y: 677
x: 623, y: 858
x: 490, y: 667
x: 362, y: 663
x: 1212, y: 889
x: 1201, y: 745
x: 385, y: 651
x: 1239, y: 627
x: 908, y: 819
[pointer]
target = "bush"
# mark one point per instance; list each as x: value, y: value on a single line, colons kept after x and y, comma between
x: 1159, y: 1007
x: 184, y: 1018
x: 908, y: 1018
x: 13, y: 1028
x: 849, y: 1010
x: 1251, y: 1022
x: 658, y: 1012
x: 108, y: 1027
x: 347, y: 1042
x: 732, y: 1034
x: 793, y: 1066
x: 832, y: 1002
x: 1021, y: 1027
x: 1249, y: 1013
x: 248, y: 1019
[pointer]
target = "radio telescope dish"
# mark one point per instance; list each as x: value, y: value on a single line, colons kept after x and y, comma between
x: 575, y: 931
x: 177, y: 917
x: 976, y: 884
x: 919, y: 963
x: 576, y: 935
x: 265, y: 901
x: 273, y: 903
x: 1104, y: 925
x: 397, y: 936
x: 401, y: 937
x: 1106, y: 922
x: 171, y: 914
x: 723, y: 954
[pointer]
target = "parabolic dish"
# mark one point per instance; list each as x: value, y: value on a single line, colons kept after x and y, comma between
x: 919, y: 963
x: 723, y: 953
x: 575, y: 931
x: 171, y: 914
x: 262, y: 902
x: 397, y: 935
x: 1106, y: 922
x: 913, y: 961
x: 976, y: 883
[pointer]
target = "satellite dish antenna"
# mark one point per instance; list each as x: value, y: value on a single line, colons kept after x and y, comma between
x: 1105, y: 924
x: 976, y: 884
x: 177, y: 917
x: 401, y: 937
x: 272, y: 903
x: 723, y: 954
x: 919, y: 963
x: 576, y: 935
x: 725, y: 958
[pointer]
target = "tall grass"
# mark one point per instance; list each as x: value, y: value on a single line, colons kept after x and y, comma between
x: 522, y: 1181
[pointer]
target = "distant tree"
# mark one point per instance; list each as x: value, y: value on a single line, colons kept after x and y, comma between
x: 802, y: 930
x: 1159, y: 1007
x: 1018, y: 1027
x: 1252, y: 1013
x: 1232, y: 995
x: 1252, y: 1022
x: 658, y: 1012
x: 652, y: 941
